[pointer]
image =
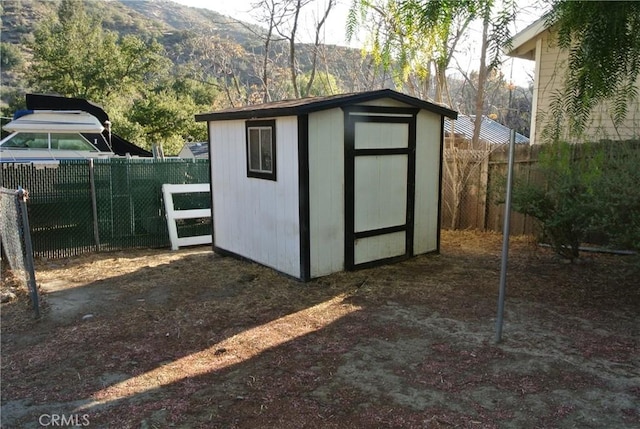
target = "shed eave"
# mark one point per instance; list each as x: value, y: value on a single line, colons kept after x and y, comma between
x: 246, y: 114
x: 305, y: 106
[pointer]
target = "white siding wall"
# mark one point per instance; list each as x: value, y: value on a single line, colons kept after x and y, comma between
x: 428, y: 147
x: 256, y: 218
x: 550, y: 78
x: 326, y: 191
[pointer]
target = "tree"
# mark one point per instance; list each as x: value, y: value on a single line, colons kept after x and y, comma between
x: 273, y: 12
x: 282, y: 19
x: 74, y: 56
x: 165, y: 118
x: 603, y: 39
x: 419, y: 36
x: 310, y: 79
x: 413, y: 38
x: 415, y: 34
x: 220, y: 63
x: 10, y: 56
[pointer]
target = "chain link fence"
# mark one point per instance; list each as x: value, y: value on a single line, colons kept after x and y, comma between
x: 15, y: 240
x: 101, y: 205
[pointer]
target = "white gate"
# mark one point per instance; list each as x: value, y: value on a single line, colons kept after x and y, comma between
x: 172, y: 214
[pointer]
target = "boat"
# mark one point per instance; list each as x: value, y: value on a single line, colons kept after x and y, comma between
x: 59, y: 128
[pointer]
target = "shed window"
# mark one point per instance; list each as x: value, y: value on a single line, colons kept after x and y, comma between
x: 261, y: 149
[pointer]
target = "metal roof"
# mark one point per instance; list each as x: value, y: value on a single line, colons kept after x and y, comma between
x: 198, y: 149
x: 490, y: 130
x: 312, y: 104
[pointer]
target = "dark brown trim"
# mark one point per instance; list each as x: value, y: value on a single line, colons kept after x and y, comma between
x: 314, y: 104
x: 223, y: 252
x: 303, y: 198
x: 349, y: 226
x: 411, y: 184
x: 274, y: 143
x: 379, y: 262
x: 440, y: 166
x: 382, y: 151
x: 210, y: 150
x: 380, y: 231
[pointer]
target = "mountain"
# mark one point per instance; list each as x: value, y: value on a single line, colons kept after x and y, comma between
x: 140, y: 17
x: 188, y: 34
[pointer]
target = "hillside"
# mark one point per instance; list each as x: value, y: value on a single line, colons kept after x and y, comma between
x: 187, y: 34
x: 212, y: 49
x: 141, y: 17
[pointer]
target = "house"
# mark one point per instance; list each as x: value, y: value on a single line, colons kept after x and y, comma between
x: 539, y: 43
x: 319, y: 185
x: 193, y: 150
x: 491, y: 132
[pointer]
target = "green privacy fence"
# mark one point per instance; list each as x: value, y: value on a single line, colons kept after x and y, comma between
x: 100, y: 205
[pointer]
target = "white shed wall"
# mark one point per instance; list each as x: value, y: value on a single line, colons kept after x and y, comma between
x: 326, y: 191
x: 428, y: 148
x: 256, y: 218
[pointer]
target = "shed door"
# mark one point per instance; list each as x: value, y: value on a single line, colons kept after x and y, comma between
x: 379, y: 180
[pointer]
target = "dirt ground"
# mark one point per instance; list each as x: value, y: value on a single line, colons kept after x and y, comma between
x: 189, y: 339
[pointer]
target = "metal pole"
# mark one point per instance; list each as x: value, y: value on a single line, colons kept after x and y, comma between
x: 505, y: 240
x: 22, y: 196
x: 94, y: 205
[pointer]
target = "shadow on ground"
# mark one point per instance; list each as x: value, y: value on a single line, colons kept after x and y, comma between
x: 190, y: 339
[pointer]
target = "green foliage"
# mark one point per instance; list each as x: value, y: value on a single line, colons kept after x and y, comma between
x: 411, y: 36
x: 603, y: 41
x: 323, y: 84
x: 10, y: 56
x: 617, y: 195
x: 563, y: 203
x: 166, y: 117
x: 588, y: 188
x: 74, y: 56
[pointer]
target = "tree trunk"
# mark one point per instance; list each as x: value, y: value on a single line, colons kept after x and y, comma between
x: 482, y: 78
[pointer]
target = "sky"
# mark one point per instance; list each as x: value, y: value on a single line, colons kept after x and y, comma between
x: 516, y: 70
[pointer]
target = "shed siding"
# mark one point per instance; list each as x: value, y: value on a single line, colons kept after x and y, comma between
x: 326, y: 191
x: 428, y: 147
x: 256, y: 218
x: 380, y: 191
x: 380, y: 247
x: 548, y: 81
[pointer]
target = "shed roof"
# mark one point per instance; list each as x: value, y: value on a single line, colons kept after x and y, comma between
x: 312, y: 104
x: 490, y: 131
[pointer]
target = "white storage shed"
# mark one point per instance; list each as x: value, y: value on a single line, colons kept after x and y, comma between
x: 319, y: 185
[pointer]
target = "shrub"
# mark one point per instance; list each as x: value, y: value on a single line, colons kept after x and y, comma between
x: 617, y: 195
x: 589, y: 188
x: 563, y: 204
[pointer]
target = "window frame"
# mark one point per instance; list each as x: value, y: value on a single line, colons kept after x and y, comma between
x: 261, y: 125
x: 49, y: 137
